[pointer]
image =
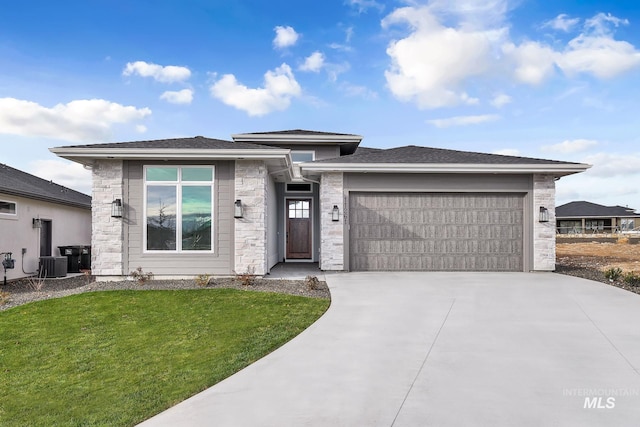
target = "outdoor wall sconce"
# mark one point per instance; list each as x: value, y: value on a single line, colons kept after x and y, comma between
x: 544, y: 214
x: 36, y: 223
x: 335, y: 213
x: 237, y: 209
x: 116, y: 208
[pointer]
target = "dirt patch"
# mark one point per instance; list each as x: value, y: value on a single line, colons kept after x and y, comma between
x: 589, y: 260
x: 599, y: 256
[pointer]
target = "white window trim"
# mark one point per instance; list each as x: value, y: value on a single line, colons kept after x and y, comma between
x: 313, y: 155
x: 178, y: 184
x: 9, y: 215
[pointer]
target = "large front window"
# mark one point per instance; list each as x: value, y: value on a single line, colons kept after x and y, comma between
x: 179, y: 208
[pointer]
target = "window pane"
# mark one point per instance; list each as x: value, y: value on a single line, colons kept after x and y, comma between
x: 7, y: 208
x: 298, y: 157
x: 162, y: 174
x: 197, y: 174
x: 161, y: 218
x: 196, y: 218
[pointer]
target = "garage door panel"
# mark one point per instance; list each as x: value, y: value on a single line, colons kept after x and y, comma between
x: 431, y: 231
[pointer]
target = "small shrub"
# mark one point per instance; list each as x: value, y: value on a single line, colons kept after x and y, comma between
x: 5, y: 297
x: 88, y: 277
x: 140, y: 276
x: 247, y: 278
x: 613, y: 273
x: 36, y: 283
x: 312, y: 283
x: 202, y: 280
x: 631, y: 278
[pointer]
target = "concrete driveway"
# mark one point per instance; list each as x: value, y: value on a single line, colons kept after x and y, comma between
x: 444, y: 349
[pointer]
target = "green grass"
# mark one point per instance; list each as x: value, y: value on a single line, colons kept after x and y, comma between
x: 117, y: 358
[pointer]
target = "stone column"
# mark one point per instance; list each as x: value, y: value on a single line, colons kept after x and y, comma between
x: 251, y: 180
x: 331, y: 232
x: 544, y: 233
x: 106, y: 232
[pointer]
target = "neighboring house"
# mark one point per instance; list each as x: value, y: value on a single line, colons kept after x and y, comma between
x: 587, y: 218
x: 37, y: 216
x: 207, y: 206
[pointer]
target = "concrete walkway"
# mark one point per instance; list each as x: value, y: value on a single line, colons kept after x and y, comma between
x: 444, y: 349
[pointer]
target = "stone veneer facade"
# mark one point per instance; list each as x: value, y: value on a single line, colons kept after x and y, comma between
x: 331, y: 232
x: 107, y: 232
x: 251, y: 230
x: 544, y: 233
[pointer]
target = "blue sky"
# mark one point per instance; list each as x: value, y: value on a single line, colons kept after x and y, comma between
x: 556, y: 80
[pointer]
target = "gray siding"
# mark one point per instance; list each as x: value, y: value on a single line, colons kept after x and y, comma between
x: 180, y: 264
x: 322, y: 151
x: 448, y: 183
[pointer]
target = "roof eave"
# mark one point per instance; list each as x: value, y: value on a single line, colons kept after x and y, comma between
x: 41, y: 198
x: 558, y: 170
x: 257, y: 137
x: 86, y: 155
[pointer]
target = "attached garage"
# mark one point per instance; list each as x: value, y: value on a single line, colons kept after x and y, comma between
x: 436, y: 231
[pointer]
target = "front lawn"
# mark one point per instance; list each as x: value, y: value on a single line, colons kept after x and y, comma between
x: 117, y: 358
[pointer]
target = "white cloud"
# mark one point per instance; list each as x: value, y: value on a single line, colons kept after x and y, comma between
x: 313, y: 62
x: 571, y: 146
x: 85, y: 120
x: 601, y: 56
x: 593, y: 51
x: 534, y: 62
x: 280, y: 86
x: 431, y: 65
x: 163, y: 74
x: 612, y: 164
x: 472, y: 14
x: 600, y: 23
x: 500, y: 100
x: 508, y: 152
x: 184, y: 96
x: 358, y: 91
x: 141, y: 128
x: 285, y: 37
x: 69, y: 174
x: 463, y: 120
x: 364, y: 5
x: 562, y: 22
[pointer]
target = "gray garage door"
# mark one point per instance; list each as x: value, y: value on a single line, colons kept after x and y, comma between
x: 436, y: 232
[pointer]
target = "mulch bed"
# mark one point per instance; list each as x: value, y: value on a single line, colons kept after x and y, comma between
x: 24, y: 291
x: 593, y: 274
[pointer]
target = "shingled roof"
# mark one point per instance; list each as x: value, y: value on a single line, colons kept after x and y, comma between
x: 197, y: 142
x: 426, y: 155
x: 582, y: 209
x: 17, y: 183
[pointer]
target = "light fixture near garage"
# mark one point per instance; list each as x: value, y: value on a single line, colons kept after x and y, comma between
x: 237, y: 209
x: 335, y: 213
x: 544, y: 214
x: 116, y: 208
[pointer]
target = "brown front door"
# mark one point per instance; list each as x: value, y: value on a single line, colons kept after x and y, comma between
x: 298, y: 229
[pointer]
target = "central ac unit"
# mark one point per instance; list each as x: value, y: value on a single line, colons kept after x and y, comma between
x: 51, y: 266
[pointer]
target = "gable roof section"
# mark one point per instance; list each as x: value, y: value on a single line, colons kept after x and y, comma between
x: 17, y: 183
x: 179, y: 149
x: 413, y: 158
x: 583, y: 209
